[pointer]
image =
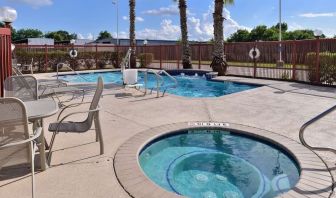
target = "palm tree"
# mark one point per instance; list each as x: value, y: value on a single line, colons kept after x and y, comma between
x: 219, y: 64
x: 186, y: 51
x: 132, y: 32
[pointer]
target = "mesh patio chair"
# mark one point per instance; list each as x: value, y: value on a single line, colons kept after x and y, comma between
x: 17, y: 146
x: 80, y: 127
x: 41, y: 82
x: 24, y: 87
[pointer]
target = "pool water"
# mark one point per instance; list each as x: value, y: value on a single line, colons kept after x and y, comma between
x: 217, y: 164
x: 188, y: 86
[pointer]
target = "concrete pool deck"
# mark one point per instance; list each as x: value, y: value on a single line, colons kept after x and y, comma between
x: 77, y: 169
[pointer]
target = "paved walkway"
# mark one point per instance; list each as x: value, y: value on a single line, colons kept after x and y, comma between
x: 78, y: 171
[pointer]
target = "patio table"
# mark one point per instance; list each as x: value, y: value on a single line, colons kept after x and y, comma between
x: 36, y: 111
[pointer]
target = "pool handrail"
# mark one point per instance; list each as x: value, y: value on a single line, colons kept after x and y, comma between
x: 158, y: 84
x: 78, y: 74
x: 310, y: 122
x: 172, y: 78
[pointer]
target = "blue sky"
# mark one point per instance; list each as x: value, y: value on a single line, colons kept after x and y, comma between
x: 159, y: 19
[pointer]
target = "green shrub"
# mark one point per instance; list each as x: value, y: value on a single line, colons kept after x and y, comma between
x: 145, y: 59
x: 84, y: 59
x: 327, y: 67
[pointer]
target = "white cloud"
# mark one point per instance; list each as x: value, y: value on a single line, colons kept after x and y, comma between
x: 167, y: 31
x: 34, y: 3
x: 88, y: 36
x: 199, y: 28
x: 202, y: 28
x: 137, y: 19
x: 163, y: 11
x: 329, y: 32
x: 315, y: 15
x: 167, y: 11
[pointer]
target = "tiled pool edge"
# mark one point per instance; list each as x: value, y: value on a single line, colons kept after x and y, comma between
x: 315, y: 179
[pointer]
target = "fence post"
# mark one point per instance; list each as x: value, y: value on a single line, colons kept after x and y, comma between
x: 46, y: 58
x: 160, y: 56
x: 5, y: 56
x: 294, y: 56
x: 254, y: 62
x: 318, y: 48
x: 177, y: 56
x: 96, y: 57
x: 199, y: 55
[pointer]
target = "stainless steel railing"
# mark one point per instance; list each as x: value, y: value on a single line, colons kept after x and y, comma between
x: 309, y: 123
x: 64, y: 65
x: 159, y: 81
x: 172, y: 78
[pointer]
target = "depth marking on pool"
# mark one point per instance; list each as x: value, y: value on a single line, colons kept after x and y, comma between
x: 211, y: 124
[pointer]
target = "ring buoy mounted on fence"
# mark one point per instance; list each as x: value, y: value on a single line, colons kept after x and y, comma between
x: 254, y: 53
x: 73, y: 53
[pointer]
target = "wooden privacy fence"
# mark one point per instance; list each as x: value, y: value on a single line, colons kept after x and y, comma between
x: 5, y: 56
x: 307, y: 60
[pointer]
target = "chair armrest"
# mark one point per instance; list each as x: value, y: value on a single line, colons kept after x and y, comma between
x: 37, y: 134
x: 72, y: 114
x: 71, y: 106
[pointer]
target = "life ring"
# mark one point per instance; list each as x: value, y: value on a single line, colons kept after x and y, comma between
x: 73, y: 53
x: 254, y: 53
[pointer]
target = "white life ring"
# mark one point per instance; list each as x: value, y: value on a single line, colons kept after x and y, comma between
x: 73, y: 53
x: 254, y: 53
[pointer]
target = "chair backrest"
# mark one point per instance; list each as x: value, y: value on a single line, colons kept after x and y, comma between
x: 130, y: 76
x: 24, y: 87
x: 16, y: 70
x: 13, y: 128
x: 96, y: 98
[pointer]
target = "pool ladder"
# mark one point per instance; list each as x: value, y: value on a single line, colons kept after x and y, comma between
x: 310, y: 122
x: 159, y: 81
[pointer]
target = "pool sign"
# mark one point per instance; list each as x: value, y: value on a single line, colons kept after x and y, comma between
x: 254, y: 53
x: 209, y: 124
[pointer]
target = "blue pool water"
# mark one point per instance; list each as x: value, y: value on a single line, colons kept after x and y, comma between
x: 188, y: 86
x: 217, y: 164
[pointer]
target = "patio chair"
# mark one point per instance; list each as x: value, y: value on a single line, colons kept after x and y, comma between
x: 26, y: 87
x: 80, y: 127
x: 17, y: 146
x: 41, y: 82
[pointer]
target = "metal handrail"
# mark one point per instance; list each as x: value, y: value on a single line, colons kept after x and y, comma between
x: 57, y: 75
x: 158, y: 78
x: 310, y: 122
x: 172, y: 78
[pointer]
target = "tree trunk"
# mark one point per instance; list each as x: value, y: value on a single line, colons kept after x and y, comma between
x: 132, y: 33
x: 186, y: 51
x: 219, y: 63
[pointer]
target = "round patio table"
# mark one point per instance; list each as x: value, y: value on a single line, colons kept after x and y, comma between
x: 37, y: 110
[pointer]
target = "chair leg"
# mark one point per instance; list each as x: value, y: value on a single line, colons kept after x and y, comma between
x: 33, y: 167
x: 51, y: 146
x: 99, y: 132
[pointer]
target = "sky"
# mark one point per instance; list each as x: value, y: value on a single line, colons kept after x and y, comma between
x: 159, y: 19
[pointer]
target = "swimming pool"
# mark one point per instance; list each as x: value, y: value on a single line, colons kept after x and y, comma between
x: 195, y: 86
x: 216, y: 163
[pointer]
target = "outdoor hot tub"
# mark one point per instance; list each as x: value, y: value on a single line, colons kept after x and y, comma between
x: 212, y: 160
